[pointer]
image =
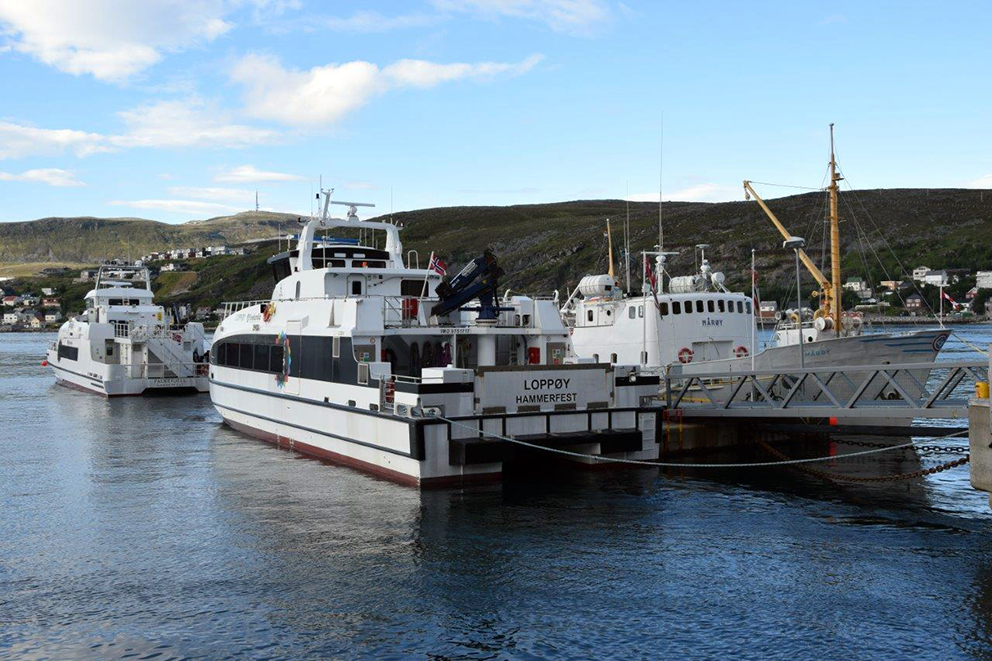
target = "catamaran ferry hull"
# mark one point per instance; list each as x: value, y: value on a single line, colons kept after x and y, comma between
x: 424, y: 452
x: 113, y: 380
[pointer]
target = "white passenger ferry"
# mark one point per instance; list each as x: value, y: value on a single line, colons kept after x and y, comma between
x: 125, y: 344
x: 363, y: 359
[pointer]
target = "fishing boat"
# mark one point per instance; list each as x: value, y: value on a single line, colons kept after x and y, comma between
x: 125, y: 344
x: 697, y: 326
x: 363, y: 358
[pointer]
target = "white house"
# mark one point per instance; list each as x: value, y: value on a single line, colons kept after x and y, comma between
x: 936, y: 278
x: 983, y: 279
x: 920, y: 273
x: 52, y: 316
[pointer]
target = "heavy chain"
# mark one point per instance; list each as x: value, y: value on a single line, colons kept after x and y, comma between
x: 927, y: 449
x: 836, y: 477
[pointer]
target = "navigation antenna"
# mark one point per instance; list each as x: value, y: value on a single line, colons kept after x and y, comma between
x: 661, y: 179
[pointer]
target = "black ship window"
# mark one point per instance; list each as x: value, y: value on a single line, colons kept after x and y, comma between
x: 699, y: 306
x: 710, y: 306
x: 633, y: 312
x: 676, y: 307
x: 740, y: 307
x: 747, y: 306
x: 663, y: 308
x: 411, y: 287
x: 688, y: 307
x: 67, y: 352
x: 721, y: 305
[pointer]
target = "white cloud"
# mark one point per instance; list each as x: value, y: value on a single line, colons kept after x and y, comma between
x: 50, y: 176
x: 176, y: 123
x: 17, y: 140
x: 248, y: 174
x: 110, y: 39
x: 189, y: 207
x: 185, y: 123
x: 242, y: 195
x: 372, y: 21
x: 708, y: 192
x: 981, y: 182
x: 325, y: 94
x: 571, y: 16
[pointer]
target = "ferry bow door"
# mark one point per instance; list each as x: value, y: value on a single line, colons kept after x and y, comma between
x: 356, y: 285
x: 292, y: 355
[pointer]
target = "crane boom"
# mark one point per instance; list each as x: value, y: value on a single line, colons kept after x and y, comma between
x: 821, y: 279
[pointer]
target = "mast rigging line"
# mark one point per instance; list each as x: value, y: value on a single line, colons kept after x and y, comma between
x: 765, y: 183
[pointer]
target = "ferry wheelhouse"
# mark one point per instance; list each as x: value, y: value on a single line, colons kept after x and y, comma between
x: 125, y: 344
x: 363, y: 358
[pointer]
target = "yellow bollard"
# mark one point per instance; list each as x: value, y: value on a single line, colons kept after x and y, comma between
x: 982, y: 389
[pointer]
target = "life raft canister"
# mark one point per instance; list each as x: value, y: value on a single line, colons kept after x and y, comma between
x: 685, y: 355
x: 741, y: 351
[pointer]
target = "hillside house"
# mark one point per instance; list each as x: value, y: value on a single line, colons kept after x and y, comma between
x: 11, y: 301
x: 936, y: 278
x: 48, y: 291
x: 52, y: 316
x: 890, y: 285
x: 50, y: 302
x: 87, y: 274
x: 920, y: 272
x: 983, y: 280
x: 914, y: 302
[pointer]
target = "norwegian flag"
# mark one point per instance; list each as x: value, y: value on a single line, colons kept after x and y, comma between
x: 950, y: 300
x: 649, y: 273
x: 437, y: 265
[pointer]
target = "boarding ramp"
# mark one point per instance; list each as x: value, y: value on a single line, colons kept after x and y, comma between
x: 871, y: 392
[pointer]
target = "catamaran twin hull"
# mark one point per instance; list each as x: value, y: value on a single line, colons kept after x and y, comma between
x: 353, y: 425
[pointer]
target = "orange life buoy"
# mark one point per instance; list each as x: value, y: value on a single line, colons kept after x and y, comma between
x: 268, y: 311
x: 741, y: 351
x: 685, y: 355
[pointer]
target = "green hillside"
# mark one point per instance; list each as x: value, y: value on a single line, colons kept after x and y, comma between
x: 90, y: 240
x: 544, y: 247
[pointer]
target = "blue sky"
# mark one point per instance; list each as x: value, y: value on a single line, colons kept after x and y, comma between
x: 181, y: 110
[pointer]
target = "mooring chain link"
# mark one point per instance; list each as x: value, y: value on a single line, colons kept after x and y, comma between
x: 952, y: 449
x: 837, y: 477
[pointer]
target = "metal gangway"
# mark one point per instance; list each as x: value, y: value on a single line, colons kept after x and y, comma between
x: 892, y: 392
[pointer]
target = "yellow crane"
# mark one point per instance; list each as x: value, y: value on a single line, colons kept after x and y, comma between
x: 830, y: 298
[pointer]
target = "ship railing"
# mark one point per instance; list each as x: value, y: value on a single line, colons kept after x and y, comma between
x: 157, y: 371
x: 232, y: 307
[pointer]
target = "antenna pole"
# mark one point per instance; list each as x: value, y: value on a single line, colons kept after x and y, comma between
x: 626, y: 238
x: 661, y: 180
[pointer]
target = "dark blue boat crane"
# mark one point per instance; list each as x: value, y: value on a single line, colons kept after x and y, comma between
x: 479, y: 279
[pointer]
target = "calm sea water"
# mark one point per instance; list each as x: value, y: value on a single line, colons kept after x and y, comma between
x: 142, y: 527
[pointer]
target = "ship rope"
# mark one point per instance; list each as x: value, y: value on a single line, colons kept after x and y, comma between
x: 786, y: 461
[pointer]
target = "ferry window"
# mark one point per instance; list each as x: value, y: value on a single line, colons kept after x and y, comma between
x: 640, y: 311
x: 721, y: 305
x: 298, y: 289
x: 676, y: 307
x: 231, y: 355
x: 699, y: 306
x: 609, y: 312
x: 589, y: 315
x: 67, y: 352
x: 356, y: 287
x: 275, y: 359
x: 613, y: 358
x: 747, y: 306
x: 710, y: 306
x: 632, y: 313
x: 262, y: 357
x: 116, y: 301
x: 663, y: 308
x: 245, y: 357
x: 740, y: 307
x: 412, y: 287
x: 336, y: 347
x: 595, y: 358
x: 688, y: 307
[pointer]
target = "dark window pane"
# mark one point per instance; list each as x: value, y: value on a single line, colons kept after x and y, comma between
x: 699, y: 306
x: 676, y: 307
x: 275, y: 359
x: 663, y: 308
x: 245, y: 356
x: 710, y: 306
x: 720, y: 304
x: 261, y: 357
